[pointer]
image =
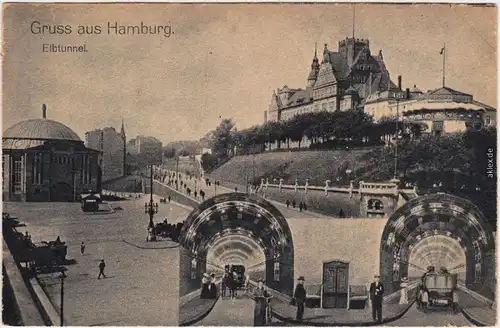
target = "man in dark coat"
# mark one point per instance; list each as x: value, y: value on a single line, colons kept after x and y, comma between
x: 376, y: 296
x: 102, y: 265
x: 300, y: 298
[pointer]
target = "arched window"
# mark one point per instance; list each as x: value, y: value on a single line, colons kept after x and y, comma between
x: 194, y: 268
x: 396, y: 263
x: 375, y: 204
x: 276, y: 270
x: 477, y: 272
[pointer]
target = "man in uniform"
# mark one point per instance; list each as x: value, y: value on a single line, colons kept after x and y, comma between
x: 300, y: 298
x: 376, y: 296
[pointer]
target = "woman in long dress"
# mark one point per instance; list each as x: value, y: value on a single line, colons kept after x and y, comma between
x: 205, y: 282
x: 404, y: 291
x: 261, y: 296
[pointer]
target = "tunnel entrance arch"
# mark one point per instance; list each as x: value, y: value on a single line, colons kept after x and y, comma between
x: 242, y: 221
x: 444, y: 215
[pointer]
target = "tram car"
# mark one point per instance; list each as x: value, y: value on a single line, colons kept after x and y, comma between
x: 90, y: 201
x: 438, y: 290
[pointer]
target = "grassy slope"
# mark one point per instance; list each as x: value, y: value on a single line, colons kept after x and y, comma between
x: 317, y: 166
x: 185, y: 165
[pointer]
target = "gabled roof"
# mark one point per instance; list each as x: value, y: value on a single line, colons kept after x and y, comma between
x: 445, y: 91
x: 300, y: 97
x: 487, y: 107
x: 326, y: 75
x: 339, y: 64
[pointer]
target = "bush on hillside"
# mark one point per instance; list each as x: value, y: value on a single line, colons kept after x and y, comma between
x: 208, y: 162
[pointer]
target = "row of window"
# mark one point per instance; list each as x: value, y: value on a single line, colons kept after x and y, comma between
x: 18, y: 167
x: 324, y: 92
x: 288, y: 114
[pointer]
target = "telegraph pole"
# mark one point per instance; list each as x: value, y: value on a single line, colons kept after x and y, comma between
x: 444, y: 64
x: 177, y: 174
x: 397, y: 137
x: 253, y: 165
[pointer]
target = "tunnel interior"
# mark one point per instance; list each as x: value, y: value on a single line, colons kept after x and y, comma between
x: 442, y: 231
x: 237, y: 247
x: 437, y: 250
x: 237, y: 228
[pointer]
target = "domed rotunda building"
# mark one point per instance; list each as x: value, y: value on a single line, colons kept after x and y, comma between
x: 44, y: 160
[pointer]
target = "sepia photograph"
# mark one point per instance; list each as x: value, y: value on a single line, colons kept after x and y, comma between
x: 237, y: 164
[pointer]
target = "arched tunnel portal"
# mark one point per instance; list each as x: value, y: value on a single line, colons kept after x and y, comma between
x: 237, y: 228
x: 439, y: 230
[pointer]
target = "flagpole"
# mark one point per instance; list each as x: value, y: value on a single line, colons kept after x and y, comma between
x: 444, y: 65
x: 353, y: 19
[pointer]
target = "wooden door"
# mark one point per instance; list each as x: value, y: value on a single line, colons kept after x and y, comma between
x: 335, y: 284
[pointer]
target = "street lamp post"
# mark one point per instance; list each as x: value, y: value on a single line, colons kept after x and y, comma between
x: 61, y: 315
x: 151, y: 209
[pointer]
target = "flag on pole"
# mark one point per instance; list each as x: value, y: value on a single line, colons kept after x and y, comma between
x: 442, y: 51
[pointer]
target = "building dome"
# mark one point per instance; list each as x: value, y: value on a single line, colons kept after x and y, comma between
x: 40, y: 129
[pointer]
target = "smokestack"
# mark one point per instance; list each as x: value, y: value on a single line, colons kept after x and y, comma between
x: 44, y: 111
x: 399, y: 82
x: 407, y: 93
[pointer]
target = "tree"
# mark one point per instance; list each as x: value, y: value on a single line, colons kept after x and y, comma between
x: 208, y: 162
x: 222, y: 139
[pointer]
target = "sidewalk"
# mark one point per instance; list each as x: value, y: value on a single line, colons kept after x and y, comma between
x: 338, y: 317
x: 196, y: 310
x: 210, y: 192
x: 477, y: 312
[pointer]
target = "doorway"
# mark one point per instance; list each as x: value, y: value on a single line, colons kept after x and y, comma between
x: 335, y: 284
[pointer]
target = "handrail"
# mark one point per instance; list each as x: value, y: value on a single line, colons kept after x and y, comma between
x: 30, y: 310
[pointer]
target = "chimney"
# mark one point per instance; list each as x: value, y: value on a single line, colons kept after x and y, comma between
x: 399, y: 82
x: 407, y: 93
x: 44, y: 111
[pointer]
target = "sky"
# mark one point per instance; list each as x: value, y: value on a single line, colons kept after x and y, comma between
x: 223, y: 60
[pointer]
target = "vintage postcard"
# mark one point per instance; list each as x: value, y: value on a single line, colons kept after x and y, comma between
x: 278, y: 164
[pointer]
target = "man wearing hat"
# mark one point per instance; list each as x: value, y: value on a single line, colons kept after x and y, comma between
x: 300, y: 298
x: 376, y: 296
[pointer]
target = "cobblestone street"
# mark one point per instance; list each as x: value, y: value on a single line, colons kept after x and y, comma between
x: 141, y: 287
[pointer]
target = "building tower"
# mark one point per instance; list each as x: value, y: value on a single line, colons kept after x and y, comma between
x: 313, y: 75
x: 124, y: 138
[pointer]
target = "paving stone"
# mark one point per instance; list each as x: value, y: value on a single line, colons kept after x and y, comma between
x: 142, y: 284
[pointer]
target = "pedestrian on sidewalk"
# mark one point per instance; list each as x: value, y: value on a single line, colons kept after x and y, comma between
x: 102, y: 265
x: 82, y: 248
x: 404, y: 291
x: 287, y: 203
x: 300, y: 206
x: 169, y: 198
x: 376, y: 297
x: 300, y: 298
x: 261, y: 297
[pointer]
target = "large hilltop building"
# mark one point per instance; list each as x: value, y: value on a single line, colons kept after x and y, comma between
x: 341, y: 82
x: 353, y: 78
